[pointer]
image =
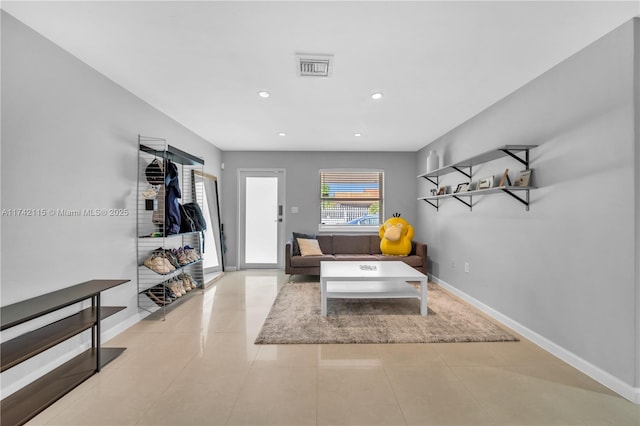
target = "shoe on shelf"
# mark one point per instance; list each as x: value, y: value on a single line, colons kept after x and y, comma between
x: 159, y: 264
x: 175, y: 288
x: 193, y: 282
x: 181, y: 255
x: 186, y: 282
x: 169, y: 255
x: 172, y: 294
x: 181, y: 286
x: 192, y: 255
x: 158, y: 295
x: 185, y: 285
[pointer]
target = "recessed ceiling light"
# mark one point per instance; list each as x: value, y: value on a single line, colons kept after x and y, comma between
x: 357, y: 135
x: 376, y: 95
x: 282, y: 134
x: 264, y: 94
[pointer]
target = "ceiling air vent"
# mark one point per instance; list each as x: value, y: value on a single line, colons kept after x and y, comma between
x: 314, y: 65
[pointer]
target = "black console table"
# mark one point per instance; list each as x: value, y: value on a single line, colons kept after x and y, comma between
x: 26, y: 403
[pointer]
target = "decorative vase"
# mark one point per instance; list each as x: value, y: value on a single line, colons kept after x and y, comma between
x: 433, y: 161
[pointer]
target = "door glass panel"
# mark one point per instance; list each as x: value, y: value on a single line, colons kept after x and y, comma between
x: 261, y: 235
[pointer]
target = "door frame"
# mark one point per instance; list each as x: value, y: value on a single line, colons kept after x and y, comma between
x: 267, y: 172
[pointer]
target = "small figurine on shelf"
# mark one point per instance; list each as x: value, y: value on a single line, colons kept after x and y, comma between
x: 524, y: 179
x: 505, y: 180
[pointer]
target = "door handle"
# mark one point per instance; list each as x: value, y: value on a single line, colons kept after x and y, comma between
x: 279, y: 219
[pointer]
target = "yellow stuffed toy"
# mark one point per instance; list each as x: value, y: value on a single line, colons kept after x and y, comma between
x: 395, y: 236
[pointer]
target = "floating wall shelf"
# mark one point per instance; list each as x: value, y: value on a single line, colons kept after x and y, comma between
x: 519, y: 153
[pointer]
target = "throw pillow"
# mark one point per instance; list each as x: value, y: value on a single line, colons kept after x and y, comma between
x: 309, y: 247
x: 296, y: 247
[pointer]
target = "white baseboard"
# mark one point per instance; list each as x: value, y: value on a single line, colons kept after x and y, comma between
x: 623, y: 389
x: 122, y: 326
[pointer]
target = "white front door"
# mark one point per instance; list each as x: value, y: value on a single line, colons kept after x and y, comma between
x: 261, y: 218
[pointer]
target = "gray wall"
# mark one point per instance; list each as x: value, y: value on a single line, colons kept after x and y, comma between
x: 568, y: 268
x: 69, y: 141
x: 302, y: 185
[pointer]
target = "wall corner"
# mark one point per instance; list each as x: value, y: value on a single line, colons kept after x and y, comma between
x: 636, y: 113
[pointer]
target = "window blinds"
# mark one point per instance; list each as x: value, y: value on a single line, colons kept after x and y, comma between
x: 354, y: 186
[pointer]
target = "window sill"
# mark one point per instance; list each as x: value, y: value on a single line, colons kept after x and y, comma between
x: 348, y: 229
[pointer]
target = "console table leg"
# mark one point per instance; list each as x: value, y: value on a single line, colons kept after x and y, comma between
x: 97, y: 346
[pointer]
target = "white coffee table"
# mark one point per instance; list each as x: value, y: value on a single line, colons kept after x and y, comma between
x: 370, y: 280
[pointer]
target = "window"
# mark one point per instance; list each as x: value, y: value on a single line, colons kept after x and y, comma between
x: 351, y: 198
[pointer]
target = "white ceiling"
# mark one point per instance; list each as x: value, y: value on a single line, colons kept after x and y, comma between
x: 437, y: 63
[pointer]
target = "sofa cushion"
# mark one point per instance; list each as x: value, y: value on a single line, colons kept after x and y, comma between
x: 355, y: 257
x: 309, y: 247
x: 374, y: 244
x: 414, y: 261
x: 310, y: 261
x: 351, y: 244
x: 326, y: 243
x: 296, y: 247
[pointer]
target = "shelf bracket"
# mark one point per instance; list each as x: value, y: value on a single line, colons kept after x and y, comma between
x: 469, y: 204
x: 435, y: 182
x: 436, y: 205
x: 524, y: 161
x: 524, y: 201
x: 458, y: 169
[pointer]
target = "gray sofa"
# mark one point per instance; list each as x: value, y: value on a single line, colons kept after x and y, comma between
x: 349, y: 247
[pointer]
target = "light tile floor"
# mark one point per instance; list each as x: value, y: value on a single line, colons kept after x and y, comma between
x: 200, y: 367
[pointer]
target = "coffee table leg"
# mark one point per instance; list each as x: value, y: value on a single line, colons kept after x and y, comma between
x: 323, y: 297
x: 423, y: 297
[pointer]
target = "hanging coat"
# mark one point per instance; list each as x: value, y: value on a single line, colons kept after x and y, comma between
x: 172, y: 206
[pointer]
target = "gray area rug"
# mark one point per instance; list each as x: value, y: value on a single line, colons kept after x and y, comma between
x: 295, y: 318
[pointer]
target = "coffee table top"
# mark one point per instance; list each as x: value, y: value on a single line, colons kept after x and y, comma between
x: 366, y: 270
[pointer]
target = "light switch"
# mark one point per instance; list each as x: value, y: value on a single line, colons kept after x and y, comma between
x: 294, y: 210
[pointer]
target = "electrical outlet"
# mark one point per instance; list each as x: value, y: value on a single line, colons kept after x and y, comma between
x: 466, y: 267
